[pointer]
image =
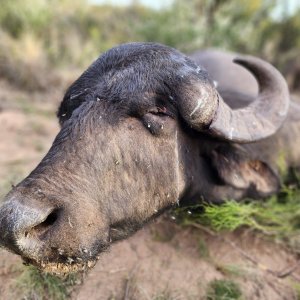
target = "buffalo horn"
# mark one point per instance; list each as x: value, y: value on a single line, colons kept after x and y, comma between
x: 205, y: 110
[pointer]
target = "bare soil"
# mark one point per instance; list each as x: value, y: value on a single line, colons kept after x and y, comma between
x: 161, y: 261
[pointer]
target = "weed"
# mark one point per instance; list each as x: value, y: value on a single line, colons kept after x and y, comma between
x: 223, y: 290
x: 232, y: 270
x: 162, y: 234
x: 33, y: 284
x: 203, y: 249
x: 296, y: 288
x: 278, y: 216
x: 282, y: 165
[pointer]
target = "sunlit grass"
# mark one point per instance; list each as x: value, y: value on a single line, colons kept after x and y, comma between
x: 277, y: 216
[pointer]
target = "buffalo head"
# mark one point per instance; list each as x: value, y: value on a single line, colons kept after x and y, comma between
x: 131, y: 129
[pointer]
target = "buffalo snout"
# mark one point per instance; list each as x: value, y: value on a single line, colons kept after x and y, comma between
x: 20, y: 223
x: 49, y: 233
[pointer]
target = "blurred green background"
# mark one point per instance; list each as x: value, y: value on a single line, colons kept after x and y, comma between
x: 44, y: 36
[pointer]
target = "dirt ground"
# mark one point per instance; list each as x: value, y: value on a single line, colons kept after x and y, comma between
x: 161, y: 261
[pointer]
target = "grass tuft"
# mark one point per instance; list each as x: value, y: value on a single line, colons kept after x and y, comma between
x: 296, y: 286
x: 278, y: 216
x: 233, y: 270
x: 33, y: 284
x: 203, y: 250
x: 223, y: 290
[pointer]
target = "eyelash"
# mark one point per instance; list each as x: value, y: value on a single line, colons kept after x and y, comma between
x: 161, y: 111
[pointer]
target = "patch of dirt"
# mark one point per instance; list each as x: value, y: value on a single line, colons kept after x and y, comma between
x: 144, y: 268
x: 9, y: 271
x: 161, y: 261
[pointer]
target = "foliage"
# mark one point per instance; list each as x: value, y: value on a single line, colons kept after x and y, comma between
x: 223, y: 290
x: 203, y: 249
x: 33, y: 284
x: 41, y: 35
x: 278, y: 216
x: 233, y: 270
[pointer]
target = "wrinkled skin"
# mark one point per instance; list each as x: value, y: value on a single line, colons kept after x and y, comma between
x: 79, y: 187
x: 123, y: 156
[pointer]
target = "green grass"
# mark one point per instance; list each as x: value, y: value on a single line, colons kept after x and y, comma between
x: 32, y: 284
x: 223, y: 290
x: 233, y: 270
x: 278, y: 216
x: 296, y: 286
x: 203, y: 249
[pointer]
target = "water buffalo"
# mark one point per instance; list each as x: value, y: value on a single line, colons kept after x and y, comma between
x: 142, y: 129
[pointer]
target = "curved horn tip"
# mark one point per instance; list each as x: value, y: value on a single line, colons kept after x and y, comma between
x: 240, y: 59
x: 269, y: 109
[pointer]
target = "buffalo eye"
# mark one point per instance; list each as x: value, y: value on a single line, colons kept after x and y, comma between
x: 159, y: 111
x: 157, y: 120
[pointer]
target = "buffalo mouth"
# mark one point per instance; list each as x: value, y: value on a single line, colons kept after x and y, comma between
x: 59, y: 263
x: 60, y: 268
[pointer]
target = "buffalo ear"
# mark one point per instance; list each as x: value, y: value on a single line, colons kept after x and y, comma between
x: 241, y: 172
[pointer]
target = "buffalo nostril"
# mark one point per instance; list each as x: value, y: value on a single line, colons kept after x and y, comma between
x: 50, y: 220
x: 23, y: 224
x: 46, y: 224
